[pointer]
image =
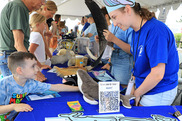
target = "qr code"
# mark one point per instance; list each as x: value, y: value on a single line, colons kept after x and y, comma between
x: 109, y: 101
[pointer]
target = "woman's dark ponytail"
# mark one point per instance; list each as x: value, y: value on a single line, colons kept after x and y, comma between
x: 143, y: 12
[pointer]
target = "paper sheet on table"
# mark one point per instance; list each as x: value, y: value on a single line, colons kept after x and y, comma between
x: 55, y: 119
x: 36, y: 97
x: 53, y: 70
x: 45, y: 95
x: 103, y: 76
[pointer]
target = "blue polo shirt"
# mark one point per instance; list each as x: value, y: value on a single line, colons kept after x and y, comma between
x: 85, y: 26
x: 125, y: 36
x: 156, y: 45
x: 93, y: 30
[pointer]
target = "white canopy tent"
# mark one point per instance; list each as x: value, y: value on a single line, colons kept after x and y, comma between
x: 76, y: 8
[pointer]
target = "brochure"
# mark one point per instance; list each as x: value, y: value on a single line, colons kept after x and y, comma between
x: 44, y: 95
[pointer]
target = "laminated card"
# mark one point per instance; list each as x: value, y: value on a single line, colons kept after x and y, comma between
x: 109, y: 97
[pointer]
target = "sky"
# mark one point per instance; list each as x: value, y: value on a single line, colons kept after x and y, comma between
x: 173, y: 16
x: 3, y: 3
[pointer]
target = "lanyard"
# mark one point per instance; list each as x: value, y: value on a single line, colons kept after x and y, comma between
x: 115, y: 29
x: 136, y: 51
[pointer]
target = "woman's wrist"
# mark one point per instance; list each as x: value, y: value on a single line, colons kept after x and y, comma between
x: 136, y: 94
x: 109, y: 63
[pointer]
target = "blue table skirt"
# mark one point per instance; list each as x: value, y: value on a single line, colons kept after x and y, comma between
x: 53, y: 107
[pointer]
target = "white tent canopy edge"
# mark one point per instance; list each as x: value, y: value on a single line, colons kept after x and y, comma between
x: 75, y: 9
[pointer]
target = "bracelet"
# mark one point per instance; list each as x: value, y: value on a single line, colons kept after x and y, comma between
x: 109, y: 63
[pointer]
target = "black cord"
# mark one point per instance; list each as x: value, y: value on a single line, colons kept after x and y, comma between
x: 134, y: 58
x: 115, y: 29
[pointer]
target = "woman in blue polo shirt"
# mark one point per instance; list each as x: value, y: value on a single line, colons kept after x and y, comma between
x: 121, y: 60
x: 91, y: 32
x: 154, y: 51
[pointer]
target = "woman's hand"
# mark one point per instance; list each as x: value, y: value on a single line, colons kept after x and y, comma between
x: 137, y: 98
x: 108, y: 35
x: 137, y: 101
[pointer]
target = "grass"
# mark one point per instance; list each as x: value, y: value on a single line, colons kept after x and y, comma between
x: 178, y: 38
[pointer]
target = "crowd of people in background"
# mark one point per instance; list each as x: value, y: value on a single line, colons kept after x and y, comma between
x: 137, y: 51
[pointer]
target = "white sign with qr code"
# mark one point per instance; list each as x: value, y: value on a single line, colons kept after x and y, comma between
x: 109, y: 97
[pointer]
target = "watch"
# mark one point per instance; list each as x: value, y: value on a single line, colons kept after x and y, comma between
x: 109, y: 63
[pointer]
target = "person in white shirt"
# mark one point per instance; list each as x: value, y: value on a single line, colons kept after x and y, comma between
x: 37, y: 45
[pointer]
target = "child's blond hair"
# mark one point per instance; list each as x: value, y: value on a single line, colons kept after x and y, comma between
x: 35, y: 19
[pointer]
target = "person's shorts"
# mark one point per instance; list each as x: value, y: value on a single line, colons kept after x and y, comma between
x: 121, y: 66
x: 164, y: 98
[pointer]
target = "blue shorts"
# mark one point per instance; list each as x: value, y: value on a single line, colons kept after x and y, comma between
x: 121, y: 66
x: 163, y: 98
x: 3, y: 64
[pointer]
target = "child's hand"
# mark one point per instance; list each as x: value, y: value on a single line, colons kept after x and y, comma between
x: 64, y: 80
x: 106, y: 66
x: 45, y: 67
x: 40, y: 77
x: 22, y: 107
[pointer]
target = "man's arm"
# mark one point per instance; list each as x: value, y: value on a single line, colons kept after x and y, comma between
x: 54, y: 28
x: 89, y: 35
x: 19, y: 40
x: 46, y: 37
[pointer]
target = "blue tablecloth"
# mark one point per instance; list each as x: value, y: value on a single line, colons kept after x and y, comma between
x: 53, y: 107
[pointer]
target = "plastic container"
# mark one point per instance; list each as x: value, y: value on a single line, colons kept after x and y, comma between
x: 79, y: 58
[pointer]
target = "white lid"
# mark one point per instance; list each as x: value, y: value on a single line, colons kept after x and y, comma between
x: 79, y: 56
